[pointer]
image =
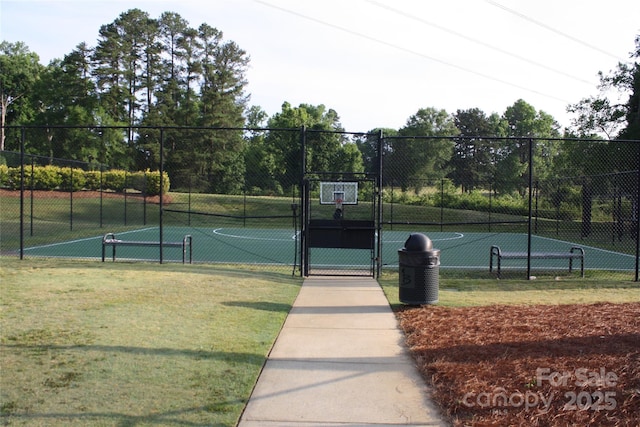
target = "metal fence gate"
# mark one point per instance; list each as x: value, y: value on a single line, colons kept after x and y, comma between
x: 341, y: 230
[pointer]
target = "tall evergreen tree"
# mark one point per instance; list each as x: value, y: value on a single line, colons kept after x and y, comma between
x: 472, y: 162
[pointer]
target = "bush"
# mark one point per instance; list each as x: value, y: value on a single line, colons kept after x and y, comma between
x: 510, y: 204
x: 13, y: 178
x: 115, y: 180
x: 44, y: 178
x: 149, y: 182
x: 54, y: 178
x: 71, y: 179
x: 4, y: 175
x: 474, y: 200
x: 92, y: 180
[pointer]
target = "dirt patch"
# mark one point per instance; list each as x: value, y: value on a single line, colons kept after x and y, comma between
x: 83, y: 194
x: 561, y: 365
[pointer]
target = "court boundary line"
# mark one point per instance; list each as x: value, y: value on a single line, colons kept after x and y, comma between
x: 84, y: 239
x: 292, y: 238
x: 585, y: 246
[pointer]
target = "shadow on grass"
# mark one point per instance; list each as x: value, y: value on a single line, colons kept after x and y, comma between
x: 252, y: 358
x: 260, y: 305
x: 281, y: 274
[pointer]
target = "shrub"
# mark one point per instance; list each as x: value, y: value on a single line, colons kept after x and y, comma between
x: 45, y: 178
x: 138, y: 181
x: 510, y: 204
x: 13, y: 178
x: 477, y: 200
x: 71, y: 179
x: 115, y: 180
x: 152, y: 180
x: 4, y: 175
x: 92, y: 180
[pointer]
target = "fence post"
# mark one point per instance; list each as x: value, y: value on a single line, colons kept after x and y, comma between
x: 31, y: 201
x: 441, y: 204
x: 304, y: 185
x: 635, y: 214
x: 71, y: 196
x: 530, y: 208
x: 392, y: 202
x: 101, y: 196
x: 537, y: 193
x: 124, y: 190
x: 161, y: 170
x: 379, y: 201
x: 22, y: 138
x: 144, y: 198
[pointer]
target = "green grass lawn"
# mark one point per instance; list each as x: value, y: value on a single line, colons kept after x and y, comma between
x: 123, y: 344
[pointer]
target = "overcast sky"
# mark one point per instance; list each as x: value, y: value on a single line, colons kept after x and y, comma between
x: 377, y: 62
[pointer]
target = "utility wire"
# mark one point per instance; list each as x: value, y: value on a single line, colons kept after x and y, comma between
x: 473, y: 40
x: 554, y: 30
x: 410, y: 51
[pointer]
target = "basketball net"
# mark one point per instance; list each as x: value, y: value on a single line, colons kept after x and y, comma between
x: 339, y: 203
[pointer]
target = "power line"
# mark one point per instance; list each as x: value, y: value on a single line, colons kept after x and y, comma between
x: 473, y: 40
x: 410, y: 51
x: 553, y: 30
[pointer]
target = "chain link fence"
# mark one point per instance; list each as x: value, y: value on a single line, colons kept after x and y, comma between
x: 240, y: 194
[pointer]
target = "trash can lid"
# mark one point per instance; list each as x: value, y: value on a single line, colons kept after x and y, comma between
x: 418, y: 242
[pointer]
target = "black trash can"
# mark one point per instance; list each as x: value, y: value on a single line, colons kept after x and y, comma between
x: 419, y: 270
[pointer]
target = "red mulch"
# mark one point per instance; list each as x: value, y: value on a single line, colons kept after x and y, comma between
x: 544, y: 365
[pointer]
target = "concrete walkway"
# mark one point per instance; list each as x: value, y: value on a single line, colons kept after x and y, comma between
x: 340, y: 360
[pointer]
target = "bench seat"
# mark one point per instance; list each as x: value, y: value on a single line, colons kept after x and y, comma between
x: 575, y: 252
x: 110, y: 239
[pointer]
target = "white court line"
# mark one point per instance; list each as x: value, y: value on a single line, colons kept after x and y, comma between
x: 586, y: 246
x: 218, y: 231
x: 52, y: 245
x: 457, y: 236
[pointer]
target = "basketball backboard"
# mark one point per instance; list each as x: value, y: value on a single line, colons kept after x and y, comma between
x: 338, y: 193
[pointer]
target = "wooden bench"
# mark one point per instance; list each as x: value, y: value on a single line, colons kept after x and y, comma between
x: 109, y: 239
x: 574, y: 253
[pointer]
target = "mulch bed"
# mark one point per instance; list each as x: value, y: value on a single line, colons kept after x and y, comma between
x: 543, y: 365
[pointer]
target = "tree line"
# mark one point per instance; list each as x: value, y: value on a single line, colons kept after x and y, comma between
x: 110, y: 103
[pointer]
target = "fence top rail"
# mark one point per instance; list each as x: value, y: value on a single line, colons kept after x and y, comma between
x: 339, y: 131
x: 506, y: 138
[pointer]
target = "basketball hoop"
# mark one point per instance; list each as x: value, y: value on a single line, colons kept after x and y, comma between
x: 338, y: 198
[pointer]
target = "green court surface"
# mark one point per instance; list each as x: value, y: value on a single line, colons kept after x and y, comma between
x: 279, y: 247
